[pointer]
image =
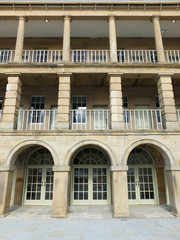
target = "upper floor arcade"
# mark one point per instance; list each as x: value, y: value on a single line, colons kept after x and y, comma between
x: 90, y: 34
x: 90, y: 101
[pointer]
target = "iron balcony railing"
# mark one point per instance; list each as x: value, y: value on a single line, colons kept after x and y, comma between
x: 90, y: 56
x: 135, y: 119
x: 37, y: 119
x: 6, y: 56
x: 172, y: 56
x: 83, y: 119
x: 137, y: 56
x: 42, y: 56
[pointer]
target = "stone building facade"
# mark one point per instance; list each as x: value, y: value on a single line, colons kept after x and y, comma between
x: 89, y: 104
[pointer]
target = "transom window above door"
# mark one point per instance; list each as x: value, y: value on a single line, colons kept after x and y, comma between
x: 90, y: 156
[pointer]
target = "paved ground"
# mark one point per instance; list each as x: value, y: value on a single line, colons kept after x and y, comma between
x: 34, y: 226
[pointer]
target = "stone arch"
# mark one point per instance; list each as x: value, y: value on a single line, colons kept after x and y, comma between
x: 165, y: 152
x: 85, y: 143
x: 14, y: 153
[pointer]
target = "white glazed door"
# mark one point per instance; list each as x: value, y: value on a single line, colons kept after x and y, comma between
x: 90, y: 185
x: 141, y: 185
x: 39, y: 186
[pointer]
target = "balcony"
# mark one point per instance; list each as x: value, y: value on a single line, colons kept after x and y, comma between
x: 6, y: 56
x: 143, y: 119
x: 36, y: 119
x: 137, y: 56
x: 83, y: 119
x: 42, y: 56
x: 90, y: 56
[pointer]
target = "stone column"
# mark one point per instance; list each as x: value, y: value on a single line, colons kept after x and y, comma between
x: 66, y: 39
x: 19, y: 186
x: 20, y: 40
x: 120, y: 191
x: 167, y: 102
x: 12, y: 101
x: 61, y: 191
x: 173, y: 180
x: 112, y: 40
x: 64, y: 95
x: 158, y: 39
x: 6, y: 179
x: 116, y: 105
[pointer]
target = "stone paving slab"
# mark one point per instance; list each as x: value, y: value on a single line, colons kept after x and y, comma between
x: 90, y: 229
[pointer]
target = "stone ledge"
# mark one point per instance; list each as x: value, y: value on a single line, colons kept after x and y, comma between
x: 121, y: 168
x: 61, y: 168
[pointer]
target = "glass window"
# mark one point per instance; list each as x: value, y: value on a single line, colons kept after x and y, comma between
x: 1, y: 102
x: 125, y: 107
x: 79, y: 109
x: 36, y: 114
x: 158, y: 107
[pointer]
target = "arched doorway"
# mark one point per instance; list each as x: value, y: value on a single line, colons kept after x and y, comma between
x: 142, y: 182
x: 38, y: 186
x: 90, y: 177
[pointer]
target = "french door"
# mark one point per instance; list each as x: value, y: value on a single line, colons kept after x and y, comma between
x: 141, y: 184
x: 39, y: 185
x: 90, y: 185
x: 100, y: 117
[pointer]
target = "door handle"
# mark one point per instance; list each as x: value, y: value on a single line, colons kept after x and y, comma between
x: 137, y: 183
x: 43, y: 183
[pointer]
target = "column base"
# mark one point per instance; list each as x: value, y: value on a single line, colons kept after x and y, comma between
x: 4, y: 215
x: 62, y: 125
x: 7, y: 126
x: 172, y: 126
x: 121, y: 212
x: 117, y: 125
x: 59, y: 216
x: 175, y: 212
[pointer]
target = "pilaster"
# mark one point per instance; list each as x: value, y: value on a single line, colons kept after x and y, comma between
x: 116, y: 105
x: 120, y: 192
x: 167, y: 102
x: 12, y: 101
x: 60, y: 192
x: 6, y: 178
x: 64, y: 94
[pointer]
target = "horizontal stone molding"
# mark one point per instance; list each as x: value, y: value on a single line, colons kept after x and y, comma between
x: 61, y: 168
x: 6, y: 168
x: 172, y: 168
x: 119, y: 168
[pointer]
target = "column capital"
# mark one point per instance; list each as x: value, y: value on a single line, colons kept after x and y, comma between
x: 9, y: 74
x: 111, y: 17
x: 172, y: 168
x: 61, y: 168
x: 114, y: 75
x: 6, y: 168
x: 64, y: 74
x: 122, y: 168
x: 157, y: 76
x: 23, y: 18
x: 67, y: 18
x: 155, y: 17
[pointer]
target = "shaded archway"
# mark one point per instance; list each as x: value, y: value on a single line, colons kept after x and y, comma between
x: 90, y: 175
x: 33, y: 176
x: 147, y: 176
